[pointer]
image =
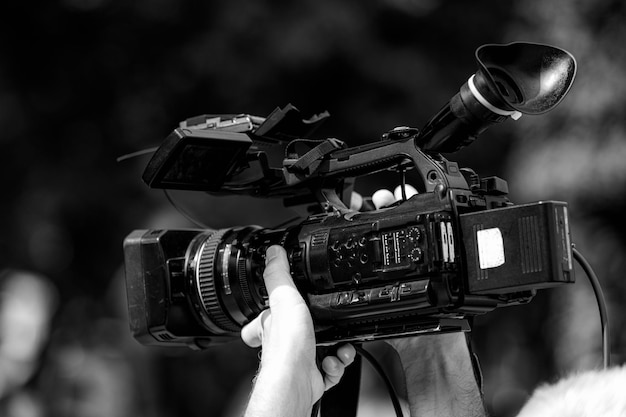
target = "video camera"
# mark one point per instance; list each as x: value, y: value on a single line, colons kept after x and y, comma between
x: 427, y: 263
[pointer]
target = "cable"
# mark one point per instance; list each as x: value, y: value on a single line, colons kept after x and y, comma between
x: 285, y: 223
x: 392, y: 392
x: 136, y: 154
x: 402, y: 181
x: 604, y: 317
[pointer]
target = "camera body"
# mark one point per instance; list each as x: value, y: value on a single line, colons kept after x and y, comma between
x: 427, y: 263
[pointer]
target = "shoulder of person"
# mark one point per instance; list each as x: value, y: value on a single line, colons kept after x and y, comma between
x: 589, y: 393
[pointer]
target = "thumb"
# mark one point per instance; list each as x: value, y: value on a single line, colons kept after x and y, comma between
x: 276, y: 272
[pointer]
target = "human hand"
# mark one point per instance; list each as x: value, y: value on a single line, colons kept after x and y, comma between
x: 289, y: 382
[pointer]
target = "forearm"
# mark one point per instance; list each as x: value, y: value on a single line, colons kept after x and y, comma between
x: 278, y: 393
x: 439, y: 376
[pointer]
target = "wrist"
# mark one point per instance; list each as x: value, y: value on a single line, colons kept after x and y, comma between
x: 440, y: 375
x: 279, y: 391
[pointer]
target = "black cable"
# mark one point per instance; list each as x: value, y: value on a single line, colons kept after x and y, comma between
x: 286, y: 222
x: 604, y: 317
x: 402, y: 181
x: 392, y: 391
x: 136, y: 154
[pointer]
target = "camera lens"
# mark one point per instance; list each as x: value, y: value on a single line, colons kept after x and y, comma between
x: 224, y: 277
x: 202, y: 270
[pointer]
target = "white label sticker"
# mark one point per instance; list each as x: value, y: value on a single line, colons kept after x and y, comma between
x: 444, y: 242
x: 490, y: 248
x: 451, y: 242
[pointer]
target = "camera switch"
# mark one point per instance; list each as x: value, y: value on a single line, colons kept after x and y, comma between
x: 405, y: 288
x: 359, y: 297
x: 344, y: 298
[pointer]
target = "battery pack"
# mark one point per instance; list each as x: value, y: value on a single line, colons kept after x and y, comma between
x: 517, y: 248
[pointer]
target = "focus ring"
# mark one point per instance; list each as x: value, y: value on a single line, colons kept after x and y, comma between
x: 243, y: 281
x: 206, y: 287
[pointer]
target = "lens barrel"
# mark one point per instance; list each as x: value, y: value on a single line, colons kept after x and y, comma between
x: 202, y: 271
x: 224, y: 271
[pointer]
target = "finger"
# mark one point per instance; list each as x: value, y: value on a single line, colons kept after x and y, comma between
x: 276, y: 272
x: 346, y: 354
x: 333, y: 371
x: 252, y: 333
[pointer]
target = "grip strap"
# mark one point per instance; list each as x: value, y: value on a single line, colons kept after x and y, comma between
x: 308, y: 163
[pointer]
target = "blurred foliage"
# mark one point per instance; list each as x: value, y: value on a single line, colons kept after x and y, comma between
x: 85, y: 81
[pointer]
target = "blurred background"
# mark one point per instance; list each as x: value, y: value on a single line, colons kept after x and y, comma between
x: 83, y: 82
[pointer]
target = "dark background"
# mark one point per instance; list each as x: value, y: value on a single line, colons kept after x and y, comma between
x: 85, y: 81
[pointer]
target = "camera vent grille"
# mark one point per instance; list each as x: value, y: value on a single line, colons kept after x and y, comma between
x: 319, y: 239
x: 530, y: 244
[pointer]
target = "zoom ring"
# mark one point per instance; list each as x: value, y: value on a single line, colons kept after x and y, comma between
x: 206, y: 283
